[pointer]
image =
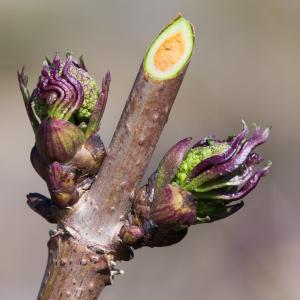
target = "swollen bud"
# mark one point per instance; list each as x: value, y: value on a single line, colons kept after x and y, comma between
x: 173, y: 206
x: 58, y: 140
x: 65, y: 90
x: 198, y: 185
x: 218, y: 172
x: 205, y: 183
x: 168, y: 166
x: 62, y: 186
x: 65, y: 111
x: 89, y: 156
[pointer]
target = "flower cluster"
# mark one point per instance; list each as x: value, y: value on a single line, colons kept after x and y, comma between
x: 197, y: 184
x: 65, y: 111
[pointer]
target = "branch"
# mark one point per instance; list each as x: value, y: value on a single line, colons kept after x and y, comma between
x: 100, y: 211
x: 73, y: 271
x: 94, y: 223
x: 138, y: 131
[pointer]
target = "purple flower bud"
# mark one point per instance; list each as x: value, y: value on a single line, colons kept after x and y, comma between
x: 68, y: 104
x: 58, y: 140
x: 173, y: 206
x: 65, y: 111
x: 66, y: 91
x: 170, y: 163
x: 213, y: 173
x: 89, y: 157
x: 62, y: 186
x: 60, y: 89
x: 219, y: 158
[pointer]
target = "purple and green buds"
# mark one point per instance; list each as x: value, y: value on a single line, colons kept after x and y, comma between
x: 61, y: 184
x: 65, y: 90
x: 65, y: 111
x: 173, y: 206
x: 58, y: 140
x: 207, y: 178
x: 193, y: 185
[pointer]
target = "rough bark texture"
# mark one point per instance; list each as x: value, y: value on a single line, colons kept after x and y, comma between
x: 83, y: 250
x: 73, y: 271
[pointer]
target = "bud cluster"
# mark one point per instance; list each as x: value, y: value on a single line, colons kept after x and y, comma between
x: 195, y: 185
x: 65, y: 110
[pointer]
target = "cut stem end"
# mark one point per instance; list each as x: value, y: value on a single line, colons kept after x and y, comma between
x: 171, y: 51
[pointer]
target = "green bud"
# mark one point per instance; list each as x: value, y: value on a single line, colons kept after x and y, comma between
x: 192, y: 159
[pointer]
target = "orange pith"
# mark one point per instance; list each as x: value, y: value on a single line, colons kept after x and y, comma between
x: 169, y: 52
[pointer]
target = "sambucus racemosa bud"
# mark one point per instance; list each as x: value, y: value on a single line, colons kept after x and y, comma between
x: 58, y: 140
x: 204, y: 184
x: 65, y: 112
x: 192, y: 185
x: 175, y: 207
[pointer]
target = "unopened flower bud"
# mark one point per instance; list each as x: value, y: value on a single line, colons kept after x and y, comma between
x: 65, y: 90
x: 213, y: 173
x: 169, y: 165
x: 58, y: 140
x: 65, y: 111
x: 62, y: 186
x: 220, y: 172
x: 89, y: 156
x: 173, y: 206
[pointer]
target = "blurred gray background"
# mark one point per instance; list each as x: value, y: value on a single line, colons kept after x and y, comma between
x: 246, y: 65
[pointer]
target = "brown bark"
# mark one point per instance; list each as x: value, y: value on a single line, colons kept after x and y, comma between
x: 73, y: 271
x: 91, y: 227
